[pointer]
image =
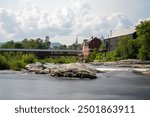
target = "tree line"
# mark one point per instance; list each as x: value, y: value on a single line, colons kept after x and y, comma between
x: 38, y: 44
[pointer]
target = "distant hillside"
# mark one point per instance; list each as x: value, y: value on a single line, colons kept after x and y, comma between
x: 1, y: 43
x: 55, y: 44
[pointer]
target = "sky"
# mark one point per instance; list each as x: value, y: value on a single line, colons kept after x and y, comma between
x: 64, y: 20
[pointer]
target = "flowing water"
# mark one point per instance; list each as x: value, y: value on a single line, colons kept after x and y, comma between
x: 110, y: 85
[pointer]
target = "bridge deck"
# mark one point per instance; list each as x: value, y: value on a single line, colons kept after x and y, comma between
x: 45, y: 51
x: 39, y: 50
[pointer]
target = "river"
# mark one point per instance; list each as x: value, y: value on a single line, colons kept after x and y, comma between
x: 113, y: 85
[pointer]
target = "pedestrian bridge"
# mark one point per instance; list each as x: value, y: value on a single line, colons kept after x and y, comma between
x: 45, y: 52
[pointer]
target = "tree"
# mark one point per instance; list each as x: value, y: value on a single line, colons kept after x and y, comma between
x: 127, y: 48
x: 18, y: 45
x: 9, y: 44
x: 34, y: 44
x: 92, y: 55
x: 143, y: 33
x: 63, y: 47
x: 3, y: 63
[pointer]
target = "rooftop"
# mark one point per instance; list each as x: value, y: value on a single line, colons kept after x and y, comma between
x: 122, y: 32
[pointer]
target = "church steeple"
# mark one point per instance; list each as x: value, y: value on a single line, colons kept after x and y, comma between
x: 76, y: 40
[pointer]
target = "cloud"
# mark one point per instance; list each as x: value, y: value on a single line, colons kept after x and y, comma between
x: 72, y: 19
x: 140, y: 20
x: 101, y: 24
x: 7, y: 24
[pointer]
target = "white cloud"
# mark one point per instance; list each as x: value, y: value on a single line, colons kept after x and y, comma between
x: 70, y: 20
x: 100, y: 24
x: 140, y: 20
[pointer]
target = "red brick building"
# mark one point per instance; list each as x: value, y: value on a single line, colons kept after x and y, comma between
x: 89, y: 45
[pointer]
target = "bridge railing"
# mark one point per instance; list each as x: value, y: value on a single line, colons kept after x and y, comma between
x: 45, y: 51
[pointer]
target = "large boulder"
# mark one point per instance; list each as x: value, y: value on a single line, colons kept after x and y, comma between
x: 37, y: 67
x: 74, y: 70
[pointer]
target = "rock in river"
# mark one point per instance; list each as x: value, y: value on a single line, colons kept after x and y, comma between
x: 73, y: 70
x: 37, y: 67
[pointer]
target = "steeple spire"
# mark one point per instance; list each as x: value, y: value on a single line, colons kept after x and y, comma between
x: 76, y: 40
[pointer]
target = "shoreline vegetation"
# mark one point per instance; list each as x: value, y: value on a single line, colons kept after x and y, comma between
x: 68, y: 66
x: 17, y: 60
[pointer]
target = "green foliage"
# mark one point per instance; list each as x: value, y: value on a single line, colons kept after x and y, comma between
x: 18, y: 60
x: 3, y: 63
x: 92, y: 55
x: 30, y: 44
x: 17, y: 65
x: 28, y: 58
x: 108, y: 56
x: 18, y: 45
x: 127, y: 48
x: 12, y: 55
x: 144, y: 54
x: 59, y: 60
x: 143, y: 33
x: 9, y: 44
x: 34, y: 44
x: 62, y: 47
x: 111, y: 56
x: 15, y: 60
x: 100, y: 56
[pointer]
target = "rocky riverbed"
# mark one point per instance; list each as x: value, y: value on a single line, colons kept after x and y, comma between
x: 129, y: 63
x: 136, y: 66
x: 82, y: 70
x: 73, y: 70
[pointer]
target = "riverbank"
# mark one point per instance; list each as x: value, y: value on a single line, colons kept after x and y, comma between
x: 81, y: 70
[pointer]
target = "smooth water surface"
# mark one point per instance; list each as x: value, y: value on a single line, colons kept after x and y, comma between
x: 110, y: 85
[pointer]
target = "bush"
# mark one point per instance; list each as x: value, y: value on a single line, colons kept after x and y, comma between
x: 59, y: 60
x: 143, y: 34
x: 92, y: 55
x: 17, y: 65
x: 100, y: 56
x: 28, y: 58
x: 143, y: 54
x: 108, y: 56
x: 3, y: 63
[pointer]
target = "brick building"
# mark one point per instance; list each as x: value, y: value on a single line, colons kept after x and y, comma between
x: 89, y: 45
